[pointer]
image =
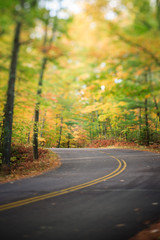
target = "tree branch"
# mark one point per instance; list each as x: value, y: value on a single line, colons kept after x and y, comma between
x: 144, y: 49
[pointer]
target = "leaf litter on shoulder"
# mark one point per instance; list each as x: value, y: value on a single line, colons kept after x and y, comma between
x: 150, y: 233
x: 23, y: 164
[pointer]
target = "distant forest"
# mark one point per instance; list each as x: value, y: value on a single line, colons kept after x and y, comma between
x: 78, y: 74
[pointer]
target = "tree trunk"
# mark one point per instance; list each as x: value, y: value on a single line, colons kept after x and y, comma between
x: 146, y: 123
x: 36, y: 115
x: 68, y: 143
x: 43, y: 124
x: 39, y: 91
x: 110, y: 126
x: 90, y: 133
x: 105, y: 130
x: 140, y: 125
x: 154, y: 98
x: 157, y: 108
x: 99, y: 130
x: 158, y: 13
x: 60, y: 133
x: 28, y: 137
x: 147, y: 134
x: 8, y: 110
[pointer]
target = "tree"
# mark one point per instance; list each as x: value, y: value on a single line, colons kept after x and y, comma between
x: 102, y: 84
x: 47, y: 44
x: 8, y: 111
x: 158, y: 12
x: 39, y: 91
x: 9, y: 106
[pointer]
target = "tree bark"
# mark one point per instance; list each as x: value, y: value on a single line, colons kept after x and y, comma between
x: 43, y: 124
x: 158, y: 12
x: 147, y: 134
x: 110, y: 126
x: 8, y: 110
x: 68, y: 143
x: 60, y: 133
x: 147, y: 124
x: 154, y: 98
x: 39, y: 91
x: 105, y: 130
x: 36, y: 114
x: 140, y: 125
x: 157, y: 108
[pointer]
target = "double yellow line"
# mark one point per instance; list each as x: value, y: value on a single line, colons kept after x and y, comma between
x: 121, y: 167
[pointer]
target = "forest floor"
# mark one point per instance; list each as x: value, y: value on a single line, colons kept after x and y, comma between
x: 151, y: 233
x: 23, y: 165
x: 155, y: 148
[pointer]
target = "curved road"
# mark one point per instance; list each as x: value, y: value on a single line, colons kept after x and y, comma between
x: 96, y: 194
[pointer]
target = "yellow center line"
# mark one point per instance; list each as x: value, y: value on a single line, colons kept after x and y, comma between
x: 121, y: 167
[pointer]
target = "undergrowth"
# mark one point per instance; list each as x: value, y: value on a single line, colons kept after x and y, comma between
x: 123, y: 144
x: 23, y: 164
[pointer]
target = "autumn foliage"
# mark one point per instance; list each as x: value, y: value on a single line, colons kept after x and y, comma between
x: 73, y: 88
x: 24, y: 165
x: 110, y: 142
x: 122, y: 144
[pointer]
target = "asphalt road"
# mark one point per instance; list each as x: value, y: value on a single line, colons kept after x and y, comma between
x: 96, y: 194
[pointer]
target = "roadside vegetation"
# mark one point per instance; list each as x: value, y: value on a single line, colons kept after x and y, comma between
x: 113, y: 143
x: 23, y: 164
x: 152, y: 232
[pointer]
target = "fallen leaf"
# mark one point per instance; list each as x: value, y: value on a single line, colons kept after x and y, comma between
x: 122, y: 180
x: 120, y: 225
x: 154, y: 230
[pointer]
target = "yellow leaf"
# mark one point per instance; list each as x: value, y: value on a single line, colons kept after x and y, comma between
x: 147, y: 96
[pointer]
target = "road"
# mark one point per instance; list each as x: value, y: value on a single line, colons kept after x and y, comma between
x: 96, y: 194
